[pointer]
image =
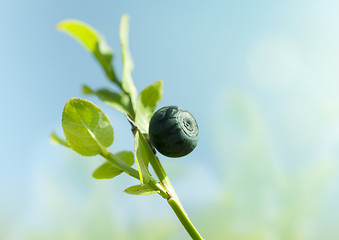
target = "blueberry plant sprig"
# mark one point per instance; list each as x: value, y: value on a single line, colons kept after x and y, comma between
x: 88, y: 130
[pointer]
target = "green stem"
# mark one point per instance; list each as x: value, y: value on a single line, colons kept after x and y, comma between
x: 132, y: 172
x: 120, y: 164
x: 185, y: 221
x: 163, y: 178
x: 110, y: 73
x: 173, y: 199
x: 162, y: 191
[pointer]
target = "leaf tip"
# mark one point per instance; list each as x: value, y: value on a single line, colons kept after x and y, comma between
x: 62, y: 24
x: 125, y: 17
x: 160, y: 82
x: 55, y: 139
x: 87, y: 90
x: 58, y: 26
x: 95, y: 175
x: 52, y: 137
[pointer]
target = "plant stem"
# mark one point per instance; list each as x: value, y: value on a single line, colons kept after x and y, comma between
x: 173, y: 199
x: 163, y: 178
x: 120, y: 164
x: 132, y: 172
x: 162, y: 191
x: 185, y: 221
x: 110, y: 73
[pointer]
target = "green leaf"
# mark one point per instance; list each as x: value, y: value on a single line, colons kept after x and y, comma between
x: 146, y: 104
x: 141, y: 156
x: 141, y: 190
x: 127, y: 81
x: 87, y: 90
x: 87, y: 129
x: 93, y: 42
x: 57, y: 139
x: 119, y: 101
x: 107, y: 170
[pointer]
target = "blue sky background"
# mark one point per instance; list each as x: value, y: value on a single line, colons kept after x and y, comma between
x: 261, y: 77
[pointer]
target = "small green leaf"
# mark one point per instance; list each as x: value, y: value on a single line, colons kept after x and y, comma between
x: 93, y: 42
x: 141, y: 190
x: 145, y: 149
x: 57, y: 139
x: 141, y: 158
x: 87, y: 129
x: 127, y: 81
x: 87, y: 90
x: 107, y: 170
x: 146, y: 104
x: 119, y: 101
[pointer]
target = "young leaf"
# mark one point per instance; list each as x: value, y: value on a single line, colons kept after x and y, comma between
x: 127, y: 81
x: 119, y: 101
x: 150, y: 157
x: 93, y: 42
x: 141, y: 158
x: 87, y: 129
x: 146, y: 105
x: 57, y: 139
x: 107, y: 170
x: 140, y: 190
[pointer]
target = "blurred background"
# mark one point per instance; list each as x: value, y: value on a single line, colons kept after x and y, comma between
x: 261, y: 78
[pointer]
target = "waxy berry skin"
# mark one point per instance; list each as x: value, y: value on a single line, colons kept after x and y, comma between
x: 173, y: 131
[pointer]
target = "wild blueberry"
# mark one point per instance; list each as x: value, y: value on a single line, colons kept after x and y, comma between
x: 173, y: 131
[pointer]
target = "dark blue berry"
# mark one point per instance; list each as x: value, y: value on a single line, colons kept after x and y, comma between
x: 173, y: 131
